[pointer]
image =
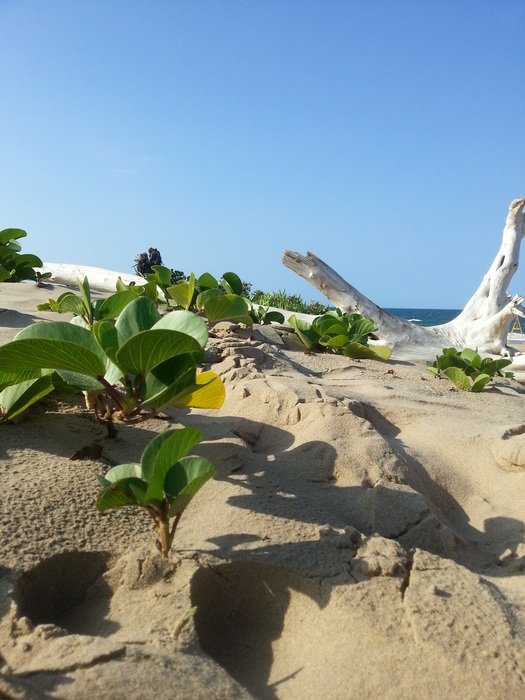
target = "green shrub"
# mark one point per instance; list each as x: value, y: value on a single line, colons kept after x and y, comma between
x: 15, y: 266
x: 467, y: 370
x: 130, y: 369
x: 346, y: 334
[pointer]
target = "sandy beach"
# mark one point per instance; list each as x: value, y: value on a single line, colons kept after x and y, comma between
x: 364, y: 537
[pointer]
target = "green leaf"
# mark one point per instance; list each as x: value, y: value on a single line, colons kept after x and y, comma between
x: 161, y: 454
x: 362, y: 327
x: 273, y: 317
x: 146, y: 350
x: 106, y: 336
x: 206, y: 295
x: 370, y: 352
x: 26, y: 260
x: 167, y: 380
x: 43, y: 353
x: 162, y: 275
x: 458, y: 377
x: 9, y: 378
x: 182, y: 293
x: 232, y: 283
x: 304, y: 330
x: 80, y: 382
x: 11, y: 234
x: 69, y: 303
x: 207, y: 281
x: 336, y: 342
x: 185, y: 322
x: 139, y: 315
x: 112, y: 306
x: 16, y: 399
x: 471, y: 357
x: 480, y: 382
x: 184, y: 480
x: 227, y: 307
x: 123, y: 471
x: 126, y: 492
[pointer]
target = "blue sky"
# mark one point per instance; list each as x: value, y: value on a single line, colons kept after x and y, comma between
x: 386, y: 136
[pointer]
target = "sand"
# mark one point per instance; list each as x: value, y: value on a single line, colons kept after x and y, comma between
x: 363, y: 537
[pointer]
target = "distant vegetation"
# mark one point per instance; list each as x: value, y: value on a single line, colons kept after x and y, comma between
x: 147, y: 263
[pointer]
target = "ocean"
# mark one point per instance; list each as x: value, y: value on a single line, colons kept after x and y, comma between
x: 426, y: 317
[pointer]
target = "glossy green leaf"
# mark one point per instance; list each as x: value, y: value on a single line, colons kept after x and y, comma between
x: 16, y: 399
x: 161, y: 275
x: 27, y: 260
x: 123, y: 471
x: 182, y: 293
x: 69, y: 303
x: 106, y: 336
x: 139, y: 315
x: 273, y: 317
x: 11, y: 234
x: 114, y: 305
x: 167, y: 380
x: 480, y: 382
x: 458, y: 377
x: 334, y: 342
x: 227, y: 307
x: 126, y: 492
x: 185, y: 322
x: 232, y: 283
x: 78, y: 381
x: 9, y: 378
x: 146, y: 350
x: 161, y: 454
x: 44, y: 353
x: 304, y: 331
x: 184, y: 480
x: 207, y: 281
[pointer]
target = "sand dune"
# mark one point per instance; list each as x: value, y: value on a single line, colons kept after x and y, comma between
x: 364, y: 537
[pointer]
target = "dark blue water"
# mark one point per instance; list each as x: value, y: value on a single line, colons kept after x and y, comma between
x: 426, y: 317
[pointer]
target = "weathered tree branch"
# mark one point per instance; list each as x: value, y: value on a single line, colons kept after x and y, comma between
x: 483, y: 323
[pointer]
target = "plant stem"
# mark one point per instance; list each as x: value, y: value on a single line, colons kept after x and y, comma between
x: 111, y: 392
x: 163, y: 529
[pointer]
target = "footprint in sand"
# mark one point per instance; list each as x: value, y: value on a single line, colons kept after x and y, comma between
x: 509, y: 450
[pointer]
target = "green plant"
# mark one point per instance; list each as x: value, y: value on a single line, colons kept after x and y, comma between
x: 467, y: 370
x: 263, y: 316
x: 15, y: 266
x: 164, y: 482
x: 346, y: 334
x: 291, y: 302
x: 83, y: 306
x: 130, y: 369
x: 217, y: 300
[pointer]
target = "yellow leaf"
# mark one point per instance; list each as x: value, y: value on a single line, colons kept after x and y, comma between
x: 209, y: 392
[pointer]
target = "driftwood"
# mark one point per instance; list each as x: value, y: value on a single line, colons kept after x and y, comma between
x: 483, y: 324
x: 100, y: 280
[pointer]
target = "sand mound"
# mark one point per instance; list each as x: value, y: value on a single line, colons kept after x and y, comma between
x: 363, y: 537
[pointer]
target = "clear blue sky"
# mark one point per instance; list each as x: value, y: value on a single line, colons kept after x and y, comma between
x: 386, y: 136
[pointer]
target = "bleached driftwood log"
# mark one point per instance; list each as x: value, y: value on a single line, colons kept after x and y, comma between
x: 483, y: 323
x: 100, y: 279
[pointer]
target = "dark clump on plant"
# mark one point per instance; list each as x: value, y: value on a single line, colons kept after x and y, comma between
x: 144, y: 262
